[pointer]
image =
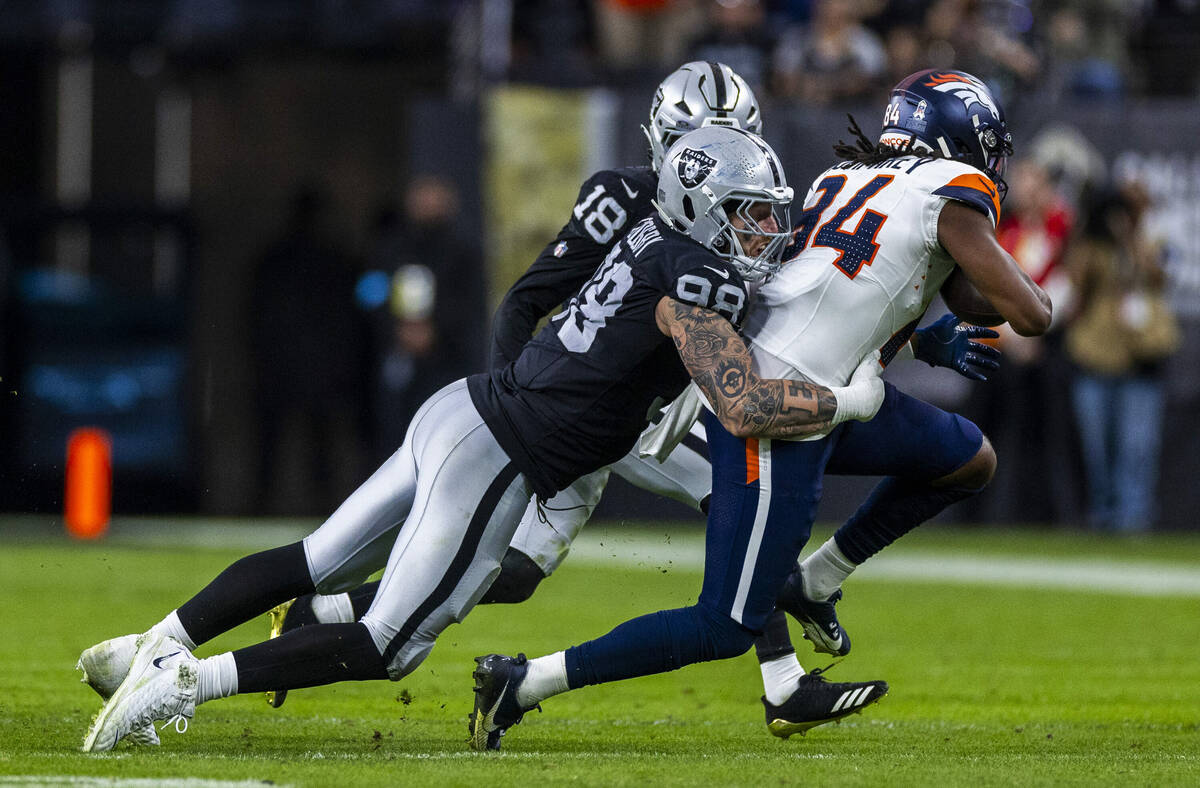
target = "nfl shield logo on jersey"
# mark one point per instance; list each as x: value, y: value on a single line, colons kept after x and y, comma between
x: 694, y: 167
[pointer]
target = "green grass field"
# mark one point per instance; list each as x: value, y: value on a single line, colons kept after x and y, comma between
x: 993, y: 681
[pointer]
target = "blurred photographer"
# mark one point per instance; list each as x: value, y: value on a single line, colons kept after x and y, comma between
x: 1122, y: 333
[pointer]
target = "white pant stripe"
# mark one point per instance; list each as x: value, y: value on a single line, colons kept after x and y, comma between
x: 756, y: 534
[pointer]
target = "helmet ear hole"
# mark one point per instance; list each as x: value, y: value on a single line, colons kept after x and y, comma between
x: 950, y: 110
x: 688, y: 210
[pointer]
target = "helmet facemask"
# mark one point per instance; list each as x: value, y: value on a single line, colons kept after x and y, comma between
x: 725, y: 189
x: 753, y: 249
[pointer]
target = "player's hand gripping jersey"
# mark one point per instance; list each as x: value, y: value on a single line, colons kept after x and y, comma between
x: 577, y: 397
x: 609, y: 203
x: 864, y: 265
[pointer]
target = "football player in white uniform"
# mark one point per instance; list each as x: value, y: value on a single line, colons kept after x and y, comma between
x: 880, y: 234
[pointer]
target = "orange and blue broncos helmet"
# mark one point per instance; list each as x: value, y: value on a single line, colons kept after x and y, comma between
x: 952, y: 114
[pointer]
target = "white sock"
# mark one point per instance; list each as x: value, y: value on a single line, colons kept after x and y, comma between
x: 781, y: 677
x: 547, y: 676
x: 218, y: 678
x: 333, y: 609
x: 825, y: 570
x: 171, y: 626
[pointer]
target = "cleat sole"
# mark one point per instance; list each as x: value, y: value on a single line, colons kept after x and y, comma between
x: 278, y: 615
x: 785, y: 729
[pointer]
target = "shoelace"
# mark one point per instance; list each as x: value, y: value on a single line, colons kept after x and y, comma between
x: 817, y: 673
x: 543, y: 507
x: 180, y: 721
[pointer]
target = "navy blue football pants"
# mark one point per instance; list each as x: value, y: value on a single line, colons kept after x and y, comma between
x: 764, y: 499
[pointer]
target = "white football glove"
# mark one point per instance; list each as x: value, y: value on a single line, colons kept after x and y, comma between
x: 860, y: 400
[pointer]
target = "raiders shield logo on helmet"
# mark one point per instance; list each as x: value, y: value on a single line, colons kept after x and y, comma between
x: 694, y: 167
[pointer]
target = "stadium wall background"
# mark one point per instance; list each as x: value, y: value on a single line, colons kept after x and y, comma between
x: 262, y: 130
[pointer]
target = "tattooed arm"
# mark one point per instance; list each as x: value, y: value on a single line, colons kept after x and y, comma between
x: 747, y: 405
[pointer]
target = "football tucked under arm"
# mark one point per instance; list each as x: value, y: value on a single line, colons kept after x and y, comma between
x: 966, y: 302
x: 969, y: 237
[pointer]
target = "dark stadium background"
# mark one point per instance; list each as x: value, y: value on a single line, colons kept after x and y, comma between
x: 151, y: 152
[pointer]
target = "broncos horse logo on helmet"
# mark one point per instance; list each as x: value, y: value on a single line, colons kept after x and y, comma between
x: 951, y: 114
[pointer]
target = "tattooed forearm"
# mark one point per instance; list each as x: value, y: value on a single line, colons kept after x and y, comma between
x: 720, y: 363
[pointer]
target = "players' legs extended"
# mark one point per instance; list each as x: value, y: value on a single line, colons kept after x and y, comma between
x: 764, y: 498
x: 343, y: 552
x: 540, y: 544
x: 930, y: 459
x: 468, y: 501
x: 686, y: 476
x: 159, y: 679
x: 546, y: 534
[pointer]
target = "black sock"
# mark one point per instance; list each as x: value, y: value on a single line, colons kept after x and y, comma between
x: 895, y: 507
x: 775, y: 641
x: 301, y: 614
x: 362, y: 597
x: 309, y: 657
x: 249, y: 587
x: 518, y: 579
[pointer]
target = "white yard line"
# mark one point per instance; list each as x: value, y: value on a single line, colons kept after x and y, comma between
x: 77, y: 780
x: 651, y: 550
x: 1105, y: 575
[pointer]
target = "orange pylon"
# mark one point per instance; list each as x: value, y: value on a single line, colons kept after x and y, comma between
x: 88, y: 501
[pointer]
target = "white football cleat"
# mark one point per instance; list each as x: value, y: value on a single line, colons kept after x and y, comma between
x: 105, y: 665
x: 161, y: 685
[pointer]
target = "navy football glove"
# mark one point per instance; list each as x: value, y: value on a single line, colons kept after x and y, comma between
x: 945, y: 343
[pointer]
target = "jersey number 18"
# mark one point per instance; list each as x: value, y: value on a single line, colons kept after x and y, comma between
x: 604, y: 219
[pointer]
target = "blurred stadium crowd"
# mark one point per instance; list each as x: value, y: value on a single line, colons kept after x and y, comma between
x: 256, y: 311
x: 824, y: 51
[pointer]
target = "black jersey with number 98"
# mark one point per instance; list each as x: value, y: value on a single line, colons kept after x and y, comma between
x: 577, y: 397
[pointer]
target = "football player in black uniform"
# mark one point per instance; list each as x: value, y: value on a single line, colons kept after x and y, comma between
x: 697, y: 95
x: 664, y: 306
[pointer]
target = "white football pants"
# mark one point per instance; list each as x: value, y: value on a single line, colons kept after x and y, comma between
x: 441, y: 512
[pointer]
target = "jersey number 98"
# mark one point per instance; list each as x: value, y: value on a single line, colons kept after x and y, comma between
x: 729, y: 299
x: 598, y: 301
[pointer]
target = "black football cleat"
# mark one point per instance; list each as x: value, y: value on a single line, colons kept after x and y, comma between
x: 818, y: 701
x: 818, y: 619
x: 496, y: 708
